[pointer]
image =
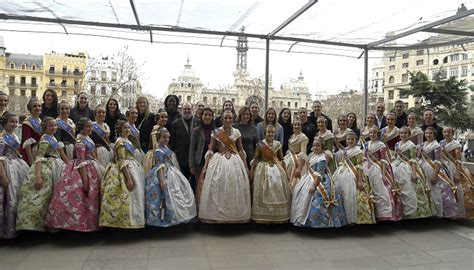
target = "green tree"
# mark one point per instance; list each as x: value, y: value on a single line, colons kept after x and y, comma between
x: 447, y: 97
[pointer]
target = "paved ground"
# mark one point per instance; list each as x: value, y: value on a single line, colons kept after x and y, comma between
x: 421, y: 244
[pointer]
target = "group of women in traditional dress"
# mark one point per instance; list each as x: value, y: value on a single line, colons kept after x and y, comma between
x: 74, y: 174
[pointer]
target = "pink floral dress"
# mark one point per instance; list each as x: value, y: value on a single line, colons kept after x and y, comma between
x: 70, y: 207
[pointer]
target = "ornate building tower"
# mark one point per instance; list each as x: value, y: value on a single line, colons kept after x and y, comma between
x: 242, y: 48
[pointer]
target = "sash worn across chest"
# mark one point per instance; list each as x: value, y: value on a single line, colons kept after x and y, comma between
x: 35, y: 124
x: 51, y: 141
x: 90, y: 145
x: 226, y: 140
x: 65, y: 126
x: 11, y: 141
x: 97, y: 129
x: 135, y: 132
x: 129, y: 146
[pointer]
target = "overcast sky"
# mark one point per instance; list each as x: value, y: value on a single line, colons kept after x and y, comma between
x: 351, y: 21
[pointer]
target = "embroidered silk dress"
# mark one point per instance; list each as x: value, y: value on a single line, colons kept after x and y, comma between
x: 135, y: 139
x: 30, y: 136
x: 415, y: 196
x: 149, y: 159
x: 358, y: 203
x: 33, y: 203
x: 100, y: 135
x: 70, y: 207
x: 416, y: 135
x: 16, y: 170
x: 297, y: 145
x: 225, y: 195
x: 271, y: 191
x: 328, y: 140
x: 390, y: 137
x: 340, y: 138
x: 173, y: 205
x: 67, y: 135
x: 465, y: 186
x: 443, y: 191
x: 388, y: 204
x: 322, y: 208
x: 120, y: 207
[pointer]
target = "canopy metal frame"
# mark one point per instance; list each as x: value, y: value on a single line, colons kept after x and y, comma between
x: 468, y: 36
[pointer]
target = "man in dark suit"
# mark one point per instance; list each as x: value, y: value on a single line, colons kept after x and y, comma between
x: 307, y: 128
x: 180, y: 139
x: 317, y: 112
x: 379, y: 115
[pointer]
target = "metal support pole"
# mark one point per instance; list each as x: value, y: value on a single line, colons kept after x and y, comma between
x: 267, y: 71
x: 366, y: 82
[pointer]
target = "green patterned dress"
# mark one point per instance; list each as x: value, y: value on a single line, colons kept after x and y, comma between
x: 33, y: 203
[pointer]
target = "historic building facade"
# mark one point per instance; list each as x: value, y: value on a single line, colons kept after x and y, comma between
x: 244, y: 90
x: 104, y: 81
x: 452, y: 61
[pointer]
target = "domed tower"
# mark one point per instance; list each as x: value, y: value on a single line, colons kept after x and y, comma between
x: 187, y: 86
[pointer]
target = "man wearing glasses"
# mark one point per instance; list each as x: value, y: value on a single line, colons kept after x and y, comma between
x: 402, y: 117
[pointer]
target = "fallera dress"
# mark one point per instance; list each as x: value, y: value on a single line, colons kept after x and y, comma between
x: 173, y: 205
x: 33, y: 203
x: 66, y: 131
x: 149, y: 159
x: 388, y: 204
x: 135, y: 140
x: 16, y: 170
x: 322, y: 208
x: 70, y: 207
x: 100, y: 135
x: 271, y: 191
x: 415, y: 195
x: 328, y: 141
x: 463, y: 178
x: 297, y: 145
x: 121, y: 208
x: 30, y: 135
x: 358, y: 203
x: 225, y: 195
x: 443, y: 191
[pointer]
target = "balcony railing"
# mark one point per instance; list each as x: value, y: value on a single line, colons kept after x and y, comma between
x: 22, y: 85
x: 68, y: 73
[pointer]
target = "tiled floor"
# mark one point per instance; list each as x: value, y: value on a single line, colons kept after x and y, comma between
x: 419, y: 244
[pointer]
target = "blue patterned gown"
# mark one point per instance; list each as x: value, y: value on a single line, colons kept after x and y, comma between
x: 175, y: 204
x: 323, y: 208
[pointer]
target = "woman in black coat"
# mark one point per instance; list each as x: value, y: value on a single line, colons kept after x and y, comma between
x: 145, y: 122
x: 284, y: 119
x: 50, y: 104
x: 82, y: 108
x: 112, y: 115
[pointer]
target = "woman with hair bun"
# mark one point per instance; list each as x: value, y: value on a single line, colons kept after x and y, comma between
x: 123, y: 186
x: 161, y: 119
x: 169, y: 196
x: 13, y: 170
x: 75, y: 202
x: 37, y: 188
x: 31, y: 131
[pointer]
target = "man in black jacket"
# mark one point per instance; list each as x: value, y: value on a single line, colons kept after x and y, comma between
x: 317, y: 112
x: 171, y: 107
x: 307, y: 128
x: 181, y: 137
x: 402, y: 117
x: 429, y: 121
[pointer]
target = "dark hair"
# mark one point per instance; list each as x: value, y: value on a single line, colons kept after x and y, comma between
x: 127, y: 113
x: 158, y: 115
x: 241, y: 112
x: 77, y: 100
x: 107, y: 112
x: 99, y: 106
x: 201, y: 123
x: 398, y: 102
x: 118, y: 126
x: 45, y: 121
x: 354, y: 125
x: 82, y: 123
x: 55, y: 99
x: 171, y: 96
x: 432, y: 129
x: 231, y: 110
x: 32, y: 99
x: 4, y: 119
x: 280, y: 116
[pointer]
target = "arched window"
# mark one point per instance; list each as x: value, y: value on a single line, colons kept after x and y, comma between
x: 435, y: 62
x: 391, y: 79
x: 12, y: 65
x: 33, y: 67
x: 23, y: 66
